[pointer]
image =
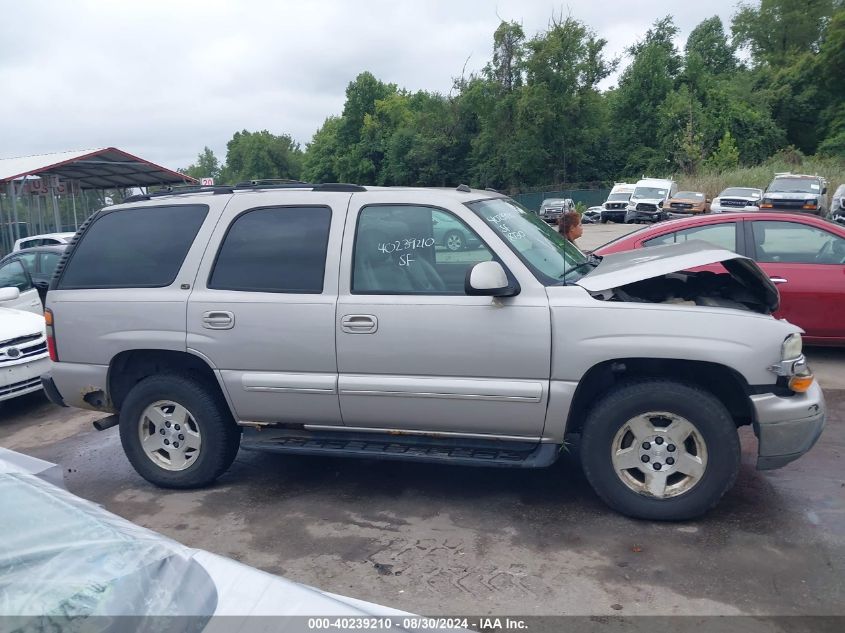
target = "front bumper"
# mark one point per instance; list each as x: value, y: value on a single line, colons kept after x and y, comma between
x: 22, y: 378
x: 646, y: 216
x: 613, y: 215
x: 787, y: 427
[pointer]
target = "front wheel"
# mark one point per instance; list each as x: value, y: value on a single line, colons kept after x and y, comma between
x: 177, y: 431
x: 661, y: 450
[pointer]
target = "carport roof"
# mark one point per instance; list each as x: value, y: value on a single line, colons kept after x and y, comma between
x: 103, y: 168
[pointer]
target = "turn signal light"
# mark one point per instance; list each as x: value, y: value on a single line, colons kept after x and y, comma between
x: 765, y: 205
x: 800, y: 384
x: 809, y: 205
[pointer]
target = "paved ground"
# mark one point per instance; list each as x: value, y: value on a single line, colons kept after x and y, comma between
x: 447, y: 540
x: 596, y: 235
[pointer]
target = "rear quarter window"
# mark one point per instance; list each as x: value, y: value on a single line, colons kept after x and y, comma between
x: 133, y: 248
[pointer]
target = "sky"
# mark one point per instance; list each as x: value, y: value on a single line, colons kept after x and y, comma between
x: 161, y: 79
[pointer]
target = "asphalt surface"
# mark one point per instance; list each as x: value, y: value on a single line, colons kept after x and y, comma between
x: 447, y: 540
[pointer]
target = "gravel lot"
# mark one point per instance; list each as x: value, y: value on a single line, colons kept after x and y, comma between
x: 448, y: 540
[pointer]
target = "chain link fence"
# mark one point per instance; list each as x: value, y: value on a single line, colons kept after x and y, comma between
x: 589, y: 197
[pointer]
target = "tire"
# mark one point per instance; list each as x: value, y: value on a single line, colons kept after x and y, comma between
x: 604, y: 220
x: 454, y: 241
x: 208, y: 425
x: 711, y: 453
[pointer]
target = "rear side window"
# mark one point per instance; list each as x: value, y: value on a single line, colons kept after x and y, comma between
x: 134, y: 248
x: 274, y: 249
x: 13, y: 275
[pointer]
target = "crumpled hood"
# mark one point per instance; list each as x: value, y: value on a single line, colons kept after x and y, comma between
x: 621, y: 269
x: 16, y: 323
x: 655, y: 201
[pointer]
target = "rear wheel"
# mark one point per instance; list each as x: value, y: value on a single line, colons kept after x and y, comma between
x: 660, y: 449
x: 177, y: 431
x: 454, y: 241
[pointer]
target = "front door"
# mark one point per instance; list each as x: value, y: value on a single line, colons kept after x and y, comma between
x: 807, y: 264
x: 415, y: 352
x: 263, y: 307
x: 14, y: 275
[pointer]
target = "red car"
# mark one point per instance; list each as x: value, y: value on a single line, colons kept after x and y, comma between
x: 803, y: 254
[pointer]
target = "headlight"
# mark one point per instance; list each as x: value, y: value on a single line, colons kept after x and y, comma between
x: 791, y: 347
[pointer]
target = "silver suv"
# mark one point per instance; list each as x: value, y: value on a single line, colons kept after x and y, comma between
x: 329, y: 320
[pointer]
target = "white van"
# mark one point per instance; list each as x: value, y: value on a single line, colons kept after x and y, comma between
x: 616, y: 205
x: 648, y: 200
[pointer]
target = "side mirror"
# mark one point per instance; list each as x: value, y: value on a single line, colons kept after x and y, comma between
x: 9, y: 294
x: 489, y: 279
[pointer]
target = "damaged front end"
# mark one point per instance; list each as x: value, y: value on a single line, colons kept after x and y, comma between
x: 666, y: 274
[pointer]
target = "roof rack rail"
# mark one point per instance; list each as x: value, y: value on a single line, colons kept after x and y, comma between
x: 271, y: 183
x: 179, y: 190
x: 338, y: 186
x: 463, y: 188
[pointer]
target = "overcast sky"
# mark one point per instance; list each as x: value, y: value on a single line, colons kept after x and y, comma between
x: 163, y: 78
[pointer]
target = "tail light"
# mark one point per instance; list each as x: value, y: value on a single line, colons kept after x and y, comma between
x: 51, y: 339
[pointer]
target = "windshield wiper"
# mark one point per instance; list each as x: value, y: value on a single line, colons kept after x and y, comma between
x: 592, y: 260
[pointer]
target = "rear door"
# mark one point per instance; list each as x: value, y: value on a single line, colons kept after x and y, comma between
x: 807, y: 263
x: 13, y: 274
x: 414, y: 351
x: 263, y: 305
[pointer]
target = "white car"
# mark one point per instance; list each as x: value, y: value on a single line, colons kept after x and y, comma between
x: 23, y: 350
x: 737, y: 199
x: 47, y: 239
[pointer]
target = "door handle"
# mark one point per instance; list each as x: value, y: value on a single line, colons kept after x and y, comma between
x: 218, y: 320
x: 778, y: 280
x: 359, y: 323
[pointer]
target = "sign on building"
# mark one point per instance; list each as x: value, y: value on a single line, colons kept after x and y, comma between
x: 207, y: 182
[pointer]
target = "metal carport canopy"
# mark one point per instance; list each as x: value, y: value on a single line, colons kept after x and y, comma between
x: 103, y: 168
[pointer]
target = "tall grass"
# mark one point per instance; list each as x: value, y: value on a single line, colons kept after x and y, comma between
x: 712, y: 183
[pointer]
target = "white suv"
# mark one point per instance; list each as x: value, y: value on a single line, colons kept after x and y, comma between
x: 328, y: 320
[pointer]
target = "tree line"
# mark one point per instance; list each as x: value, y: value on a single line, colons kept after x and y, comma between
x: 535, y: 115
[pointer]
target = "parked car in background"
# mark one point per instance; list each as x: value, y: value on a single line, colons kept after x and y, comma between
x: 737, y: 199
x: 47, y: 239
x: 452, y: 234
x: 613, y: 209
x: 837, y: 205
x: 592, y: 215
x: 648, y: 202
x: 40, y: 262
x: 17, y: 290
x: 553, y: 208
x: 384, y: 346
x: 23, y: 350
x: 689, y: 202
x: 802, y: 254
x: 796, y: 192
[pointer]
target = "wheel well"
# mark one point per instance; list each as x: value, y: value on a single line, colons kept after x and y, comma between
x: 128, y: 368
x: 723, y: 382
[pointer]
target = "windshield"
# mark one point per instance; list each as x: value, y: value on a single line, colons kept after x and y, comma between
x: 648, y: 192
x: 795, y: 185
x: 689, y: 194
x: 619, y: 197
x: 740, y: 191
x: 551, y: 257
x: 553, y: 202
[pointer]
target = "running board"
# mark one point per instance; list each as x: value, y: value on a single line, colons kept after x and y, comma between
x: 457, y: 450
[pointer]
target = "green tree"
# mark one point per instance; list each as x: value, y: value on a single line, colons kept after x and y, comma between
x: 726, y: 155
x: 256, y: 155
x: 709, y: 43
x: 206, y: 166
x: 320, y: 161
x: 635, y: 113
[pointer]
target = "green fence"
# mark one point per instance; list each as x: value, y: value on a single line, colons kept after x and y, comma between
x: 590, y: 197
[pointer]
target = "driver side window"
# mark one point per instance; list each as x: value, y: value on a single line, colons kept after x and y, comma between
x: 13, y: 275
x: 403, y: 249
x: 793, y: 243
